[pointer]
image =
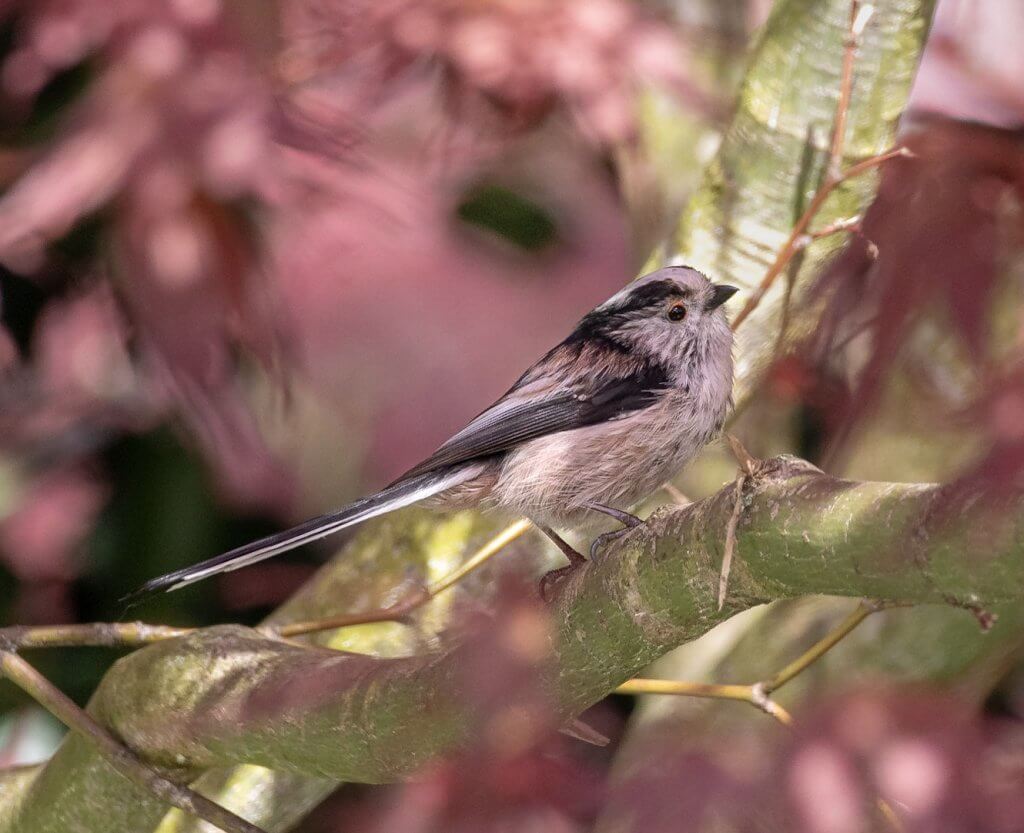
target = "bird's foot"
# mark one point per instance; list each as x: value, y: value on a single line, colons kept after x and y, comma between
x: 627, y: 520
x: 549, y: 581
x: 605, y: 538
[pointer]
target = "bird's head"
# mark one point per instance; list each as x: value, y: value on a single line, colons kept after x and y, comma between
x: 675, y: 314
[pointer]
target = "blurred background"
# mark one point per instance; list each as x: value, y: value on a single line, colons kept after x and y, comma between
x: 261, y: 256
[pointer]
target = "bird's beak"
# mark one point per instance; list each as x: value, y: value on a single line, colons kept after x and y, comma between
x: 722, y: 293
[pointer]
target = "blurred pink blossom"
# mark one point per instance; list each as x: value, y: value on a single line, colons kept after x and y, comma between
x: 526, y: 58
x: 310, y: 226
x: 39, y: 538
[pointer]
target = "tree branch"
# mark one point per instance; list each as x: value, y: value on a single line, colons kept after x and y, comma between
x: 797, y: 240
x: 834, y: 174
x: 366, y: 719
x: 23, y: 675
x: 759, y: 694
x: 375, y: 571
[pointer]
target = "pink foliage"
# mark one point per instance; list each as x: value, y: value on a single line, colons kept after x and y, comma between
x: 38, y: 539
x: 271, y: 199
x: 933, y: 263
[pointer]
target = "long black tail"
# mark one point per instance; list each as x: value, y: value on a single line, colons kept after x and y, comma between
x: 402, y: 493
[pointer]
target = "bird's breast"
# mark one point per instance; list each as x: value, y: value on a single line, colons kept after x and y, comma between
x: 616, y: 463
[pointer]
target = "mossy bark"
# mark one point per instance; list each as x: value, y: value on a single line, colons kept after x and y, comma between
x: 335, y: 715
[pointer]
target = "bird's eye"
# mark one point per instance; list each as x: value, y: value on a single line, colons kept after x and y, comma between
x: 676, y: 312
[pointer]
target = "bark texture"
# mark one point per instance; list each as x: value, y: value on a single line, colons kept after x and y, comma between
x: 238, y: 697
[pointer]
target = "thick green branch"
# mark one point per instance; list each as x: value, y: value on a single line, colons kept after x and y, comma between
x: 776, y: 152
x: 77, y: 790
x: 18, y: 671
x: 366, y: 719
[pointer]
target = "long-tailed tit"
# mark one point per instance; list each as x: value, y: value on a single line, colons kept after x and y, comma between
x: 602, y: 420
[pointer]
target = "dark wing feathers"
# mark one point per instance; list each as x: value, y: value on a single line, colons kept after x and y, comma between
x: 602, y: 382
x: 509, y: 422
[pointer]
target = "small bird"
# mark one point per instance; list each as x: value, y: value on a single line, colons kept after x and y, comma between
x: 634, y: 393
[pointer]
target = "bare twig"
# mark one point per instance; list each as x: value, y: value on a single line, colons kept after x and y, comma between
x: 137, y: 634
x: 759, y: 694
x: 491, y: 548
x: 23, y: 675
x: 400, y: 611
x: 730, y: 540
x: 820, y: 648
x: 859, y: 17
x: 834, y: 174
x: 746, y: 461
x: 760, y: 698
x: 712, y: 690
x: 744, y: 693
x: 95, y: 634
x: 838, y: 227
x: 748, y: 467
x: 793, y: 242
x: 872, y: 162
x: 677, y: 496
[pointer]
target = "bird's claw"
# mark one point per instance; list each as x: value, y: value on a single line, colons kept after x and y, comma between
x: 604, y: 539
x: 550, y: 581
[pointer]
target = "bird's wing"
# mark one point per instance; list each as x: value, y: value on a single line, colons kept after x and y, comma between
x: 520, y: 415
x: 594, y: 391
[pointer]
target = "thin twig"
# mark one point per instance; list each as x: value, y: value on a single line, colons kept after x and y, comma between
x: 762, y: 699
x: 138, y: 634
x: 748, y: 469
x: 677, y: 496
x: 859, y: 17
x: 744, y: 459
x: 838, y: 227
x: 819, y: 648
x: 491, y: 548
x: 759, y: 694
x: 743, y: 693
x: 95, y: 634
x: 23, y: 675
x: 834, y: 174
x: 712, y: 690
x: 871, y: 162
x: 793, y: 244
x: 400, y: 611
x: 730, y: 540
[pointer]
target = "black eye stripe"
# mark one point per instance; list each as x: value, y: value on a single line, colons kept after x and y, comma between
x: 604, y: 324
x: 650, y: 295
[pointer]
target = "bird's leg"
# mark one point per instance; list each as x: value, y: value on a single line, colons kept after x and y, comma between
x: 575, y: 559
x: 550, y: 579
x: 627, y: 520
